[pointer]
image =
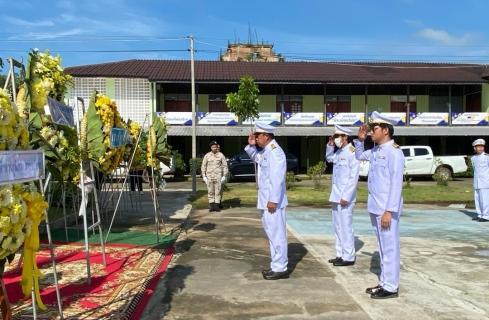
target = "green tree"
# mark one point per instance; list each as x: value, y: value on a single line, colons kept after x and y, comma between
x: 244, y: 103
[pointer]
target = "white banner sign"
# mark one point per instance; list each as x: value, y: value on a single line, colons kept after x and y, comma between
x: 222, y: 118
x: 399, y: 116
x: 470, y: 118
x: 21, y: 166
x: 176, y: 117
x: 429, y: 118
x: 345, y: 118
x: 267, y: 117
x: 309, y: 118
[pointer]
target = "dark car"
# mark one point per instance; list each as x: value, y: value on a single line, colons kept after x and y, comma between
x: 240, y: 165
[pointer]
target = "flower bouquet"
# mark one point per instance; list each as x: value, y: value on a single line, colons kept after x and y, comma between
x: 95, y: 130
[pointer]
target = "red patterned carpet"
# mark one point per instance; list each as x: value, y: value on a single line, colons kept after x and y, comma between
x: 121, y: 290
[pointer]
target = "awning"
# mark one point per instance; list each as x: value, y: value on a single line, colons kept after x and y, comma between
x: 318, y: 131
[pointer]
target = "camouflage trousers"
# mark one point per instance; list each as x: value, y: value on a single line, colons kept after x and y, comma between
x: 214, y: 191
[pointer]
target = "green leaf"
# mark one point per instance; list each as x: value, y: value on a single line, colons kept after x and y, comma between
x: 54, y: 172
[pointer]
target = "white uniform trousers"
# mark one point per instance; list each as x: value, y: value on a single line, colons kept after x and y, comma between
x: 342, y: 223
x: 276, y: 230
x: 389, y: 251
x: 481, y: 197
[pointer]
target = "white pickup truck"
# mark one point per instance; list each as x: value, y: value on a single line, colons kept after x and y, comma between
x: 420, y: 161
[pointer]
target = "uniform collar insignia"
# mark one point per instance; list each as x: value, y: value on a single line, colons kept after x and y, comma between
x: 273, y: 146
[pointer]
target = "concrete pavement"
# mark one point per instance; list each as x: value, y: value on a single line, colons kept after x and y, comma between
x: 216, y: 270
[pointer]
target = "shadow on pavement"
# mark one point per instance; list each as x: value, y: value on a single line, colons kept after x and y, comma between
x: 470, y: 214
x: 176, y: 276
x: 296, y: 252
x: 358, y: 244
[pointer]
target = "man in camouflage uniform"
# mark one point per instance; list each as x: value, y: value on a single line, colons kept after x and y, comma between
x: 214, y: 170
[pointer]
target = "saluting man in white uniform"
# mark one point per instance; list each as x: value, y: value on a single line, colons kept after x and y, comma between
x: 272, y: 199
x: 343, y: 194
x: 480, y: 163
x: 384, y: 201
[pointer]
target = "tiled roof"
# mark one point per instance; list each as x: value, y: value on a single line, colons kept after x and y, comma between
x: 286, y: 72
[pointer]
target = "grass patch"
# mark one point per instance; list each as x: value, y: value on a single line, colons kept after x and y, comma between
x: 300, y: 195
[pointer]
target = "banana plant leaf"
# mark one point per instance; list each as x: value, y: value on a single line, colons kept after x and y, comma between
x: 162, y: 150
x: 95, y: 135
x: 55, y: 173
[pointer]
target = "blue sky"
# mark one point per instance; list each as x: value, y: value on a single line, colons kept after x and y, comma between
x: 89, y: 32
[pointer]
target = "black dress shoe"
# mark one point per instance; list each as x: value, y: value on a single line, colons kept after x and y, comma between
x: 334, y: 260
x: 383, y: 294
x: 373, y: 289
x: 475, y: 219
x: 482, y: 220
x: 273, y: 275
x: 343, y: 263
x: 263, y: 272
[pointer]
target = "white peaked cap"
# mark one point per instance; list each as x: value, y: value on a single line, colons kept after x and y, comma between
x: 264, y: 127
x: 478, y: 142
x: 378, y: 118
x: 342, y: 130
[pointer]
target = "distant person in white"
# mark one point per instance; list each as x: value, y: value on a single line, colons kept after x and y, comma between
x: 343, y: 194
x: 480, y: 163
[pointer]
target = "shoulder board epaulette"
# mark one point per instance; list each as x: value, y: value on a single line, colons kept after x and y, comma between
x: 273, y: 146
x: 352, y: 148
x: 395, y: 145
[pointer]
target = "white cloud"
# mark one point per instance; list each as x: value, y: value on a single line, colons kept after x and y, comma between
x: 65, y: 4
x: 54, y: 35
x: 413, y: 23
x: 25, y: 23
x: 442, y: 36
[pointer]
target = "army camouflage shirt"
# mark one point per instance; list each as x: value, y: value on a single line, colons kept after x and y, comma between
x: 214, y: 166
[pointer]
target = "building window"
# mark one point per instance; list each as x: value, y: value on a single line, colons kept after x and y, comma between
x: 337, y: 104
x: 291, y: 103
x: 178, y: 103
x: 217, y: 103
x: 398, y: 103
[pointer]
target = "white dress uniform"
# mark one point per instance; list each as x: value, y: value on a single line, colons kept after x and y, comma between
x: 385, y: 179
x: 344, y: 187
x: 271, y: 173
x: 480, y: 163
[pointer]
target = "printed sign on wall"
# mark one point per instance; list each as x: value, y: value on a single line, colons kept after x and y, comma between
x: 176, y: 117
x: 345, y: 118
x: 309, y: 118
x: 429, y: 118
x: 222, y: 118
x: 470, y: 118
x: 267, y: 117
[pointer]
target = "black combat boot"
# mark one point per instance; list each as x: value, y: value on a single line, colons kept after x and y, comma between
x: 220, y: 206
x: 212, y: 207
x: 216, y: 207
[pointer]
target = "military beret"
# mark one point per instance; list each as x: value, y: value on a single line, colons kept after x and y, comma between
x: 213, y: 143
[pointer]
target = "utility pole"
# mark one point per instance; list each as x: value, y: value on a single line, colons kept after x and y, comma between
x: 194, y: 117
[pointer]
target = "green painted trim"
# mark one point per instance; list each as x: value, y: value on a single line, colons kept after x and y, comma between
x: 485, y: 97
x: 379, y: 103
x: 312, y: 103
x: 110, y: 87
x: 423, y: 103
x: 357, y: 103
x: 203, y: 101
x: 268, y: 103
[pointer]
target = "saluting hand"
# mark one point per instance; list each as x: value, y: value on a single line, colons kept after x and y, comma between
x: 362, y: 132
x: 331, y: 141
x: 251, y: 139
x: 385, y: 221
